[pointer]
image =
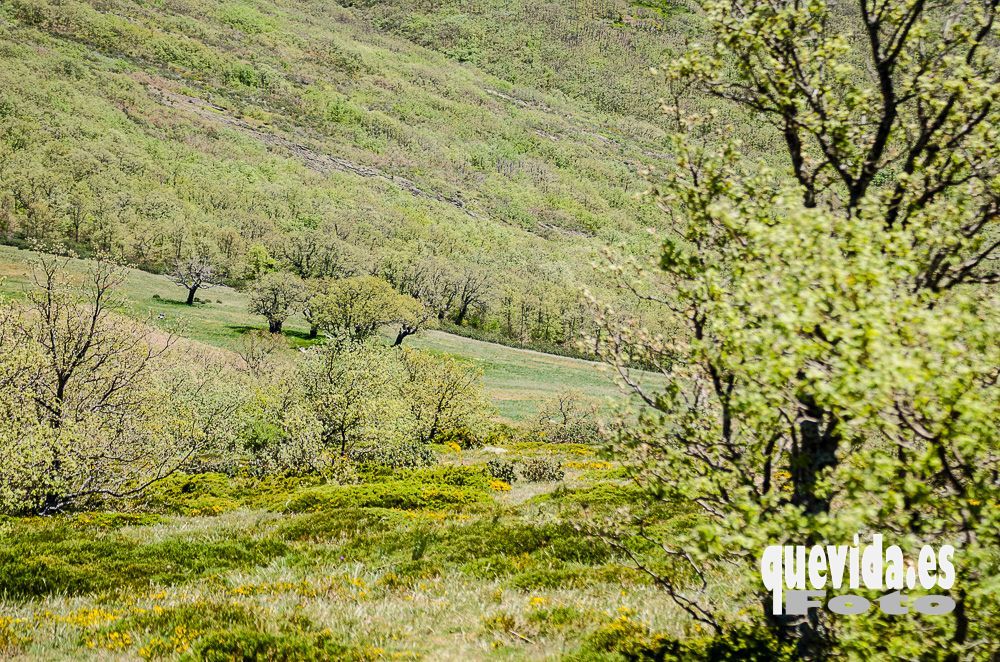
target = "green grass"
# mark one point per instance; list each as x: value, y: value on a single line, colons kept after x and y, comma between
x: 220, y: 321
x: 360, y: 574
x: 516, y: 380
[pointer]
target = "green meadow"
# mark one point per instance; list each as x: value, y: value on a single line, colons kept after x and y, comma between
x: 517, y: 380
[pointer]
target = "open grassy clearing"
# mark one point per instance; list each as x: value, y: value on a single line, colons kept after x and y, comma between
x: 517, y: 380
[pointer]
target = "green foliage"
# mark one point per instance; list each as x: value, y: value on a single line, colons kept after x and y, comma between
x: 99, y: 521
x: 556, y: 575
x: 567, y: 418
x: 408, y: 574
x: 633, y: 640
x: 399, y: 456
x: 92, y: 408
x: 245, y: 18
x: 506, y: 185
x: 442, y: 395
x: 740, y: 642
x: 560, y: 618
x: 403, y: 495
x: 195, y: 617
x: 541, y: 470
x: 502, y: 470
x: 344, y: 524
x: 199, y: 494
x: 832, y: 364
x: 609, y: 495
x: 356, y: 307
x: 39, y: 559
x: 629, y: 638
x: 170, y: 586
x: 276, y: 296
x: 351, y: 389
x: 500, y: 434
x: 462, y: 436
x: 486, y: 542
x: 253, y: 644
x: 450, y: 475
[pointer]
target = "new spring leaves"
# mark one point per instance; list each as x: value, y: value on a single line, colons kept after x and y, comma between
x: 797, y: 567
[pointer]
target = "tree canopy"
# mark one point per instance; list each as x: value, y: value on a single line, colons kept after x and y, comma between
x: 833, y: 363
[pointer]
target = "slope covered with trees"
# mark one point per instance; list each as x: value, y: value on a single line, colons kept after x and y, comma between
x: 473, y: 168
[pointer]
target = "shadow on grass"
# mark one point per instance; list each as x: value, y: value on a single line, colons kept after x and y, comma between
x: 301, y: 335
x: 242, y: 329
x: 294, y: 337
x: 181, y: 302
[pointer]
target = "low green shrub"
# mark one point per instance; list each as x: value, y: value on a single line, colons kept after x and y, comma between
x: 56, y: 559
x: 197, y: 494
x: 740, y: 643
x: 633, y: 640
x: 501, y: 434
x: 566, y: 576
x: 394, y: 456
x: 487, y: 540
x: 502, y: 470
x: 266, y: 492
x: 343, y: 524
x: 403, y: 495
x: 541, y: 470
x: 558, y: 618
x: 408, y: 574
x: 110, y: 521
x: 473, y: 477
x: 14, y: 637
x: 501, y: 623
x: 253, y: 644
x: 463, y: 436
x: 569, y: 418
x: 198, y: 616
x: 607, y: 495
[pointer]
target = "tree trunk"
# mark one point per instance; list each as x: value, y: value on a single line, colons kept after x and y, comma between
x: 313, y: 331
x: 815, y: 451
x: 274, y: 326
x: 402, y: 335
x: 190, y: 299
x: 462, y: 311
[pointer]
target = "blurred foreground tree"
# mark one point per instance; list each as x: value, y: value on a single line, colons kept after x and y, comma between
x: 835, y: 361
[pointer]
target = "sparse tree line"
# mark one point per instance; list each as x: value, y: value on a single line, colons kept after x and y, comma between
x: 450, y: 287
x: 97, y: 406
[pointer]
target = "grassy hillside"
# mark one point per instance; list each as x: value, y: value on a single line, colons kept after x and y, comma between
x: 401, y: 134
x: 794, y: 222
